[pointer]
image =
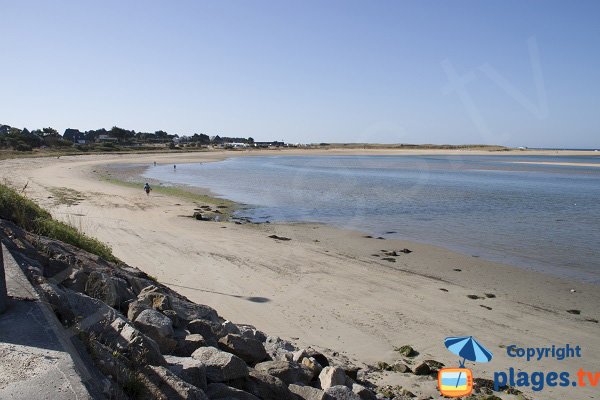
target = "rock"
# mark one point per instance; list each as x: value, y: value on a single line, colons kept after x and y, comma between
x: 267, y: 387
x: 190, y: 370
x: 188, y: 311
x: 72, y: 307
x: 140, y: 348
x: 153, y: 297
x: 220, y: 366
x: 341, y: 393
x: 422, y: 369
x: 165, y: 385
x: 76, y: 280
x: 318, y: 356
x: 175, y: 321
x: 158, y: 327
x: 188, y: 344
x: 109, y: 362
x: 313, y: 366
x: 135, y: 308
x: 138, y: 284
x: 351, y: 372
x: 249, y: 350
x: 288, y: 371
x: 383, y: 366
x: 401, y: 367
x: 210, y: 331
x: 279, y: 349
x: 230, y: 327
x: 406, y: 350
x: 332, y: 376
x: 251, y: 332
x: 218, y: 391
x: 307, y: 392
x: 109, y: 289
x: 363, y: 392
x: 434, y: 366
x: 299, y: 355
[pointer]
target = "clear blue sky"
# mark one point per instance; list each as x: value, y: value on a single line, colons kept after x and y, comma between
x: 525, y: 72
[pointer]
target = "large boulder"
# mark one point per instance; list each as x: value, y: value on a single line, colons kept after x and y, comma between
x: 141, y: 349
x: 138, y: 284
x: 267, y: 387
x: 220, y: 366
x: 188, y: 344
x: 341, y: 393
x: 158, y: 327
x: 288, y: 371
x: 190, y: 370
x: 135, y: 308
x: 220, y: 391
x: 307, y: 392
x: 163, y: 384
x: 332, y: 376
x: 109, y: 289
x: 279, y: 349
x: 230, y: 327
x: 249, y: 350
x: 312, y: 365
x: 154, y: 298
x: 210, y: 331
x: 76, y: 308
x: 363, y: 392
x: 251, y: 332
x: 188, y: 311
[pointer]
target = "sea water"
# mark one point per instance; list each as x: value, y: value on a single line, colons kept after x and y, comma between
x: 540, y: 216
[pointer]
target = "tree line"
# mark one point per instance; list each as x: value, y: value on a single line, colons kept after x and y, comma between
x: 26, y: 140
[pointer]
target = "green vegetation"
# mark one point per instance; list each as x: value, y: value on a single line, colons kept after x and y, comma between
x: 226, y: 206
x: 31, y: 217
x: 63, y: 195
x: 406, y: 350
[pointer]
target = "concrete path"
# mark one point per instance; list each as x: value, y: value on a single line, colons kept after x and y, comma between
x: 37, y: 357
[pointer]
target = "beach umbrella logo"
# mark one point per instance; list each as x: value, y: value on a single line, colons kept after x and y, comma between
x: 458, y: 382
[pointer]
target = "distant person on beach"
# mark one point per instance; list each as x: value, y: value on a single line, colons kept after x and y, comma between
x: 147, y: 189
x: 155, y: 163
x: 174, y: 167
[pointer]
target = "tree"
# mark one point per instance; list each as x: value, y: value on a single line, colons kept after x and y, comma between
x: 121, y: 134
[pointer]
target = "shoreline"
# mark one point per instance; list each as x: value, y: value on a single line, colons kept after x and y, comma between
x: 498, y: 256
x: 324, y: 286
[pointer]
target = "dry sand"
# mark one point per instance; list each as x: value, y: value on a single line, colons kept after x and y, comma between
x: 324, y: 286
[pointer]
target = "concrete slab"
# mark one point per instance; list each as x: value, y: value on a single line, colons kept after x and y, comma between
x: 38, y: 359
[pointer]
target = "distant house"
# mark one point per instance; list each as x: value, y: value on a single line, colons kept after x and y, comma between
x: 75, y: 136
x: 106, y: 139
x: 269, y: 144
x: 236, y: 145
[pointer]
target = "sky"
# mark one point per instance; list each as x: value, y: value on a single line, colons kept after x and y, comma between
x: 516, y: 73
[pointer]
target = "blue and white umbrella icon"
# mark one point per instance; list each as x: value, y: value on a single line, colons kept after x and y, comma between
x: 468, y: 348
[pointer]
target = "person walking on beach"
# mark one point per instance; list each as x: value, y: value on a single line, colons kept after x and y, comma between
x: 174, y: 167
x: 155, y: 163
x: 147, y: 189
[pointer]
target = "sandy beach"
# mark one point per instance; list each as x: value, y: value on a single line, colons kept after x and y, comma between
x: 325, y: 286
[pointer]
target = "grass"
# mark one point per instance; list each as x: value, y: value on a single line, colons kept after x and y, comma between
x: 31, y: 217
x: 63, y: 195
x: 180, y: 193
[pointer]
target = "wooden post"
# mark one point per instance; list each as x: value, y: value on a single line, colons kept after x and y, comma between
x: 3, y: 295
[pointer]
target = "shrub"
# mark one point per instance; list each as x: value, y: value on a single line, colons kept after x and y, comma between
x: 31, y: 217
x: 22, y: 146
